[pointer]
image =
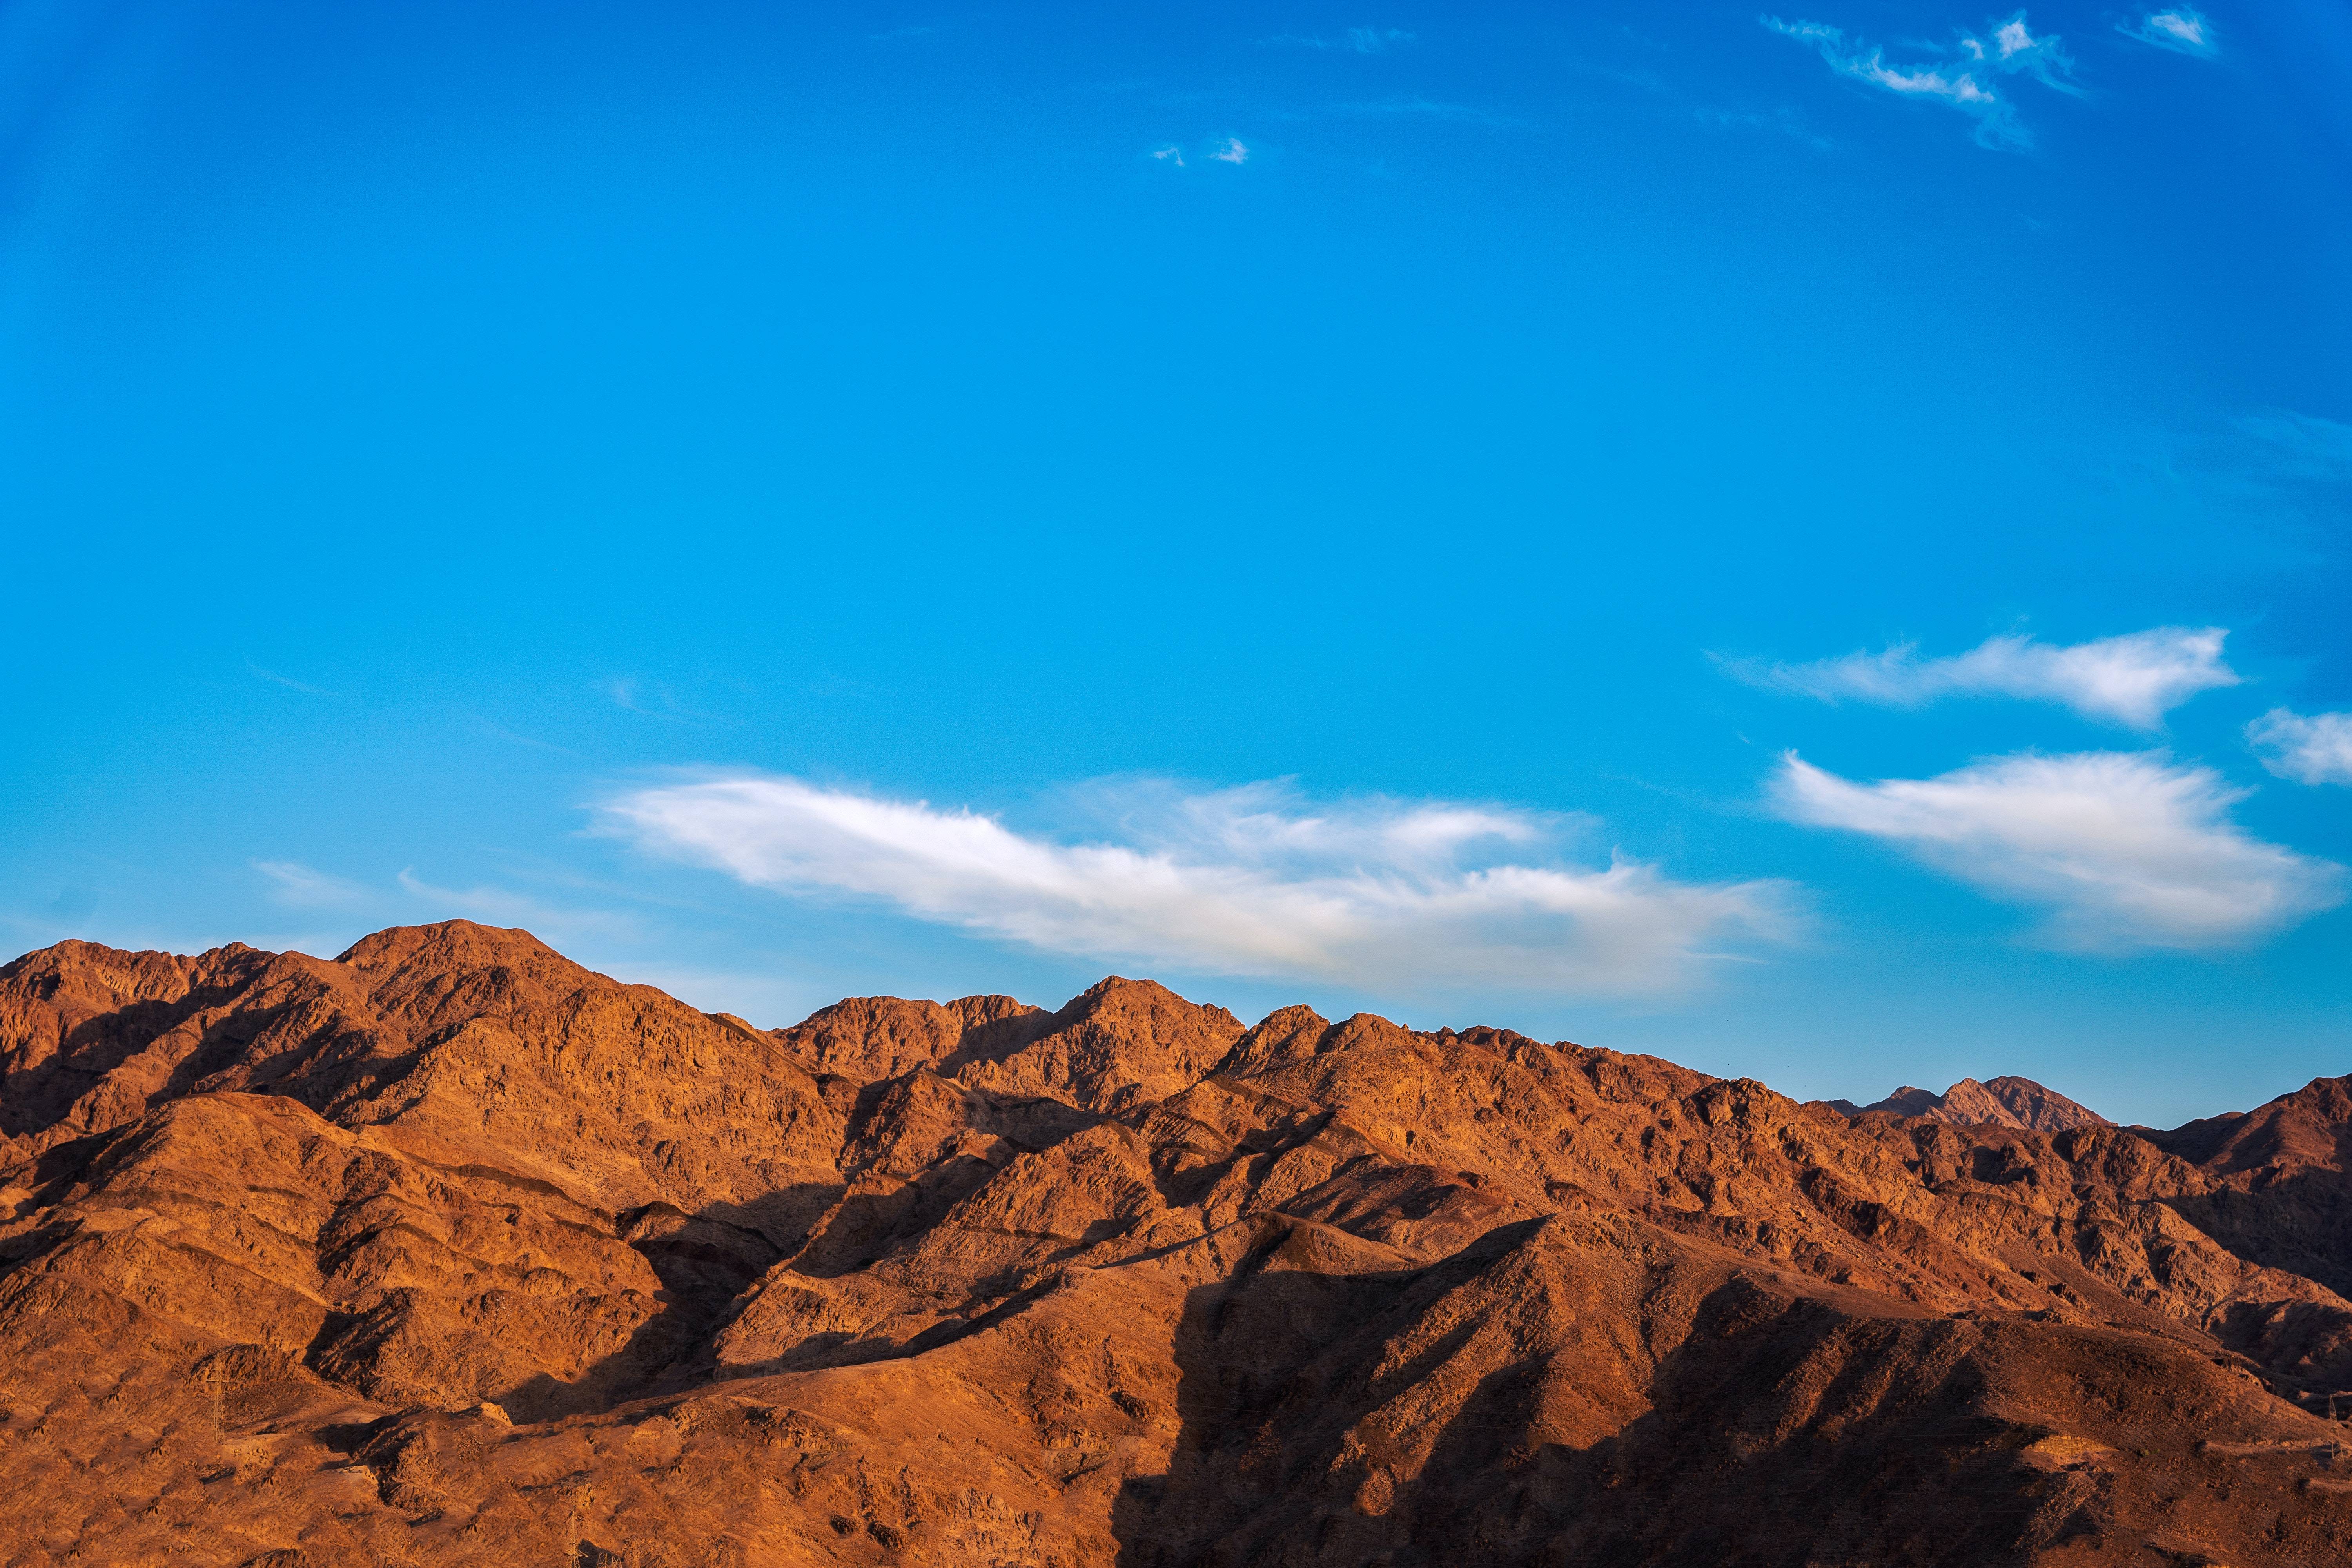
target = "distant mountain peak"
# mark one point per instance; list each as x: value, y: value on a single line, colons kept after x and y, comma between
x: 2006, y: 1101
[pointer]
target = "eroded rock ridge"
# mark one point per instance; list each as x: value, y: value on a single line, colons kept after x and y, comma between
x: 451, y: 1251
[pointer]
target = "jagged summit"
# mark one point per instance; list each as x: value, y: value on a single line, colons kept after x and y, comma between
x: 451, y: 1250
x: 1996, y: 1102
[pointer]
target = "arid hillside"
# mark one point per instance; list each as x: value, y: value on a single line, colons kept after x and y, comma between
x: 451, y: 1251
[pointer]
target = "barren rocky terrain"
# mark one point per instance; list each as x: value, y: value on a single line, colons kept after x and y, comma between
x: 451, y: 1251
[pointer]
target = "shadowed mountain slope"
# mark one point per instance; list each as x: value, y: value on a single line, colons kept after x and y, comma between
x: 449, y: 1250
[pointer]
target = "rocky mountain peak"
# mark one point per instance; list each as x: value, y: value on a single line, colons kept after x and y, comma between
x: 2006, y: 1101
x: 451, y: 1250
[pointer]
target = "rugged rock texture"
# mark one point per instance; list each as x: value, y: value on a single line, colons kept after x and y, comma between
x: 450, y: 1251
x: 1998, y: 1102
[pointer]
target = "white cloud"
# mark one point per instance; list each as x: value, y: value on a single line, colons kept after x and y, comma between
x: 1382, y: 894
x: 2015, y: 47
x: 2314, y: 750
x: 1997, y: 123
x: 298, y: 886
x: 1170, y: 154
x: 2180, y: 29
x: 2134, y: 680
x: 1230, y: 150
x: 1356, y: 40
x: 2123, y: 850
x: 2012, y: 48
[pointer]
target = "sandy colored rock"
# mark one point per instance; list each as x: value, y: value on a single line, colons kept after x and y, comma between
x: 450, y: 1251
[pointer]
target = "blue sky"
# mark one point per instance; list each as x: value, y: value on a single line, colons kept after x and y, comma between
x: 1812, y: 542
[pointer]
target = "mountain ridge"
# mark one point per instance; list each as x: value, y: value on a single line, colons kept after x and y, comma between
x: 2006, y: 1101
x: 449, y: 1249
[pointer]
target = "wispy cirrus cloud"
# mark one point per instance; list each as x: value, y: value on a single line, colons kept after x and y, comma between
x: 1427, y: 107
x: 2312, y: 748
x: 2123, y: 851
x: 1383, y: 894
x: 287, y: 681
x: 2134, y: 680
x: 2304, y: 446
x: 1355, y: 40
x: 1965, y: 83
x: 2013, y: 48
x: 2180, y: 29
x: 301, y: 886
x: 1223, y: 150
x: 1783, y: 121
x: 2282, y: 478
x: 655, y: 701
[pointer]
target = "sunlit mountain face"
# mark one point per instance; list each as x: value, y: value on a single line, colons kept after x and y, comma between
x: 450, y: 1250
x: 1809, y: 542
x: 1578, y: 771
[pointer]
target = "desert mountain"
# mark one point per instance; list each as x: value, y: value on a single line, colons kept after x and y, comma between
x: 451, y: 1251
x: 2017, y: 1102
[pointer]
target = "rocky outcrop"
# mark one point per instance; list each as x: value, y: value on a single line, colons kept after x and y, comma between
x: 449, y: 1250
x: 2017, y: 1102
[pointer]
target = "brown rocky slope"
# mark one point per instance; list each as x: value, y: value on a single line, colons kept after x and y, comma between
x: 450, y: 1251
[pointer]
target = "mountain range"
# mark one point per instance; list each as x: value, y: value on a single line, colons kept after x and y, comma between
x: 1998, y: 1102
x: 449, y: 1250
